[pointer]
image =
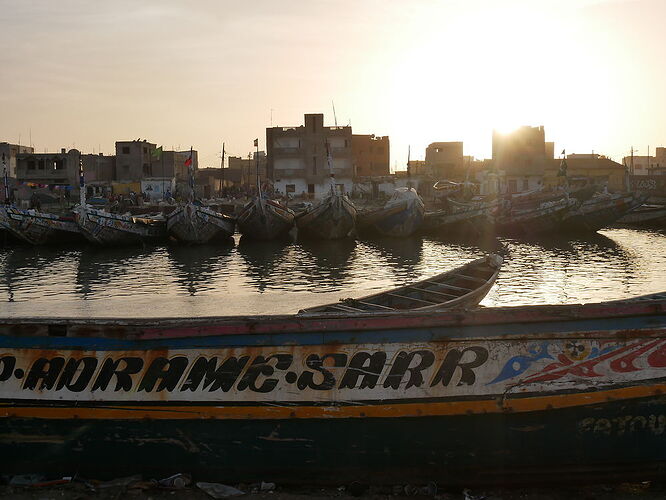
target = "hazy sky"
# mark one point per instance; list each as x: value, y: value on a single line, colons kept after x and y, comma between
x: 181, y: 73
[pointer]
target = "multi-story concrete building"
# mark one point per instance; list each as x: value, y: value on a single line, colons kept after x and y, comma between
x: 10, y: 152
x: 136, y: 160
x: 371, y: 155
x: 520, y: 157
x: 52, y: 169
x: 297, y: 161
x: 445, y: 160
x: 647, y: 165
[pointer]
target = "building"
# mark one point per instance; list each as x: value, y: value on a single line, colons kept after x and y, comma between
x: 647, y: 165
x: 10, y: 151
x: 297, y: 160
x: 245, y: 170
x: 371, y: 155
x: 520, y: 157
x: 587, y: 169
x: 445, y: 160
x: 139, y: 159
x: 49, y: 169
x: 417, y: 167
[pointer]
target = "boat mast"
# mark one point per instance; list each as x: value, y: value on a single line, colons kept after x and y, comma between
x: 256, y: 157
x: 190, y: 169
x: 409, y: 174
x: 222, y: 167
x: 5, y: 179
x: 331, y: 174
x: 82, y: 185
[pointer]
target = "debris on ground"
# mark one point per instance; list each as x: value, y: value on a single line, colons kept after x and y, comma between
x: 218, y: 490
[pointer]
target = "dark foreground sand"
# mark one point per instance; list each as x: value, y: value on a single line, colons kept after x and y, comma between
x: 141, y: 491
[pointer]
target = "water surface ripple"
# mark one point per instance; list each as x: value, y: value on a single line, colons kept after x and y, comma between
x: 246, y: 277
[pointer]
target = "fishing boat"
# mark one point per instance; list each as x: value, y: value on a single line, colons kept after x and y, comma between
x: 513, y: 394
x: 462, y: 287
x: 193, y: 223
x: 459, y: 218
x: 401, y: 216
x: 599, y: 211
x: 38, y: 228
x: 106, y: 228
x: 533, y: 219
x: 264, y: 219
x: 334, y: 217
x: 646, y: 215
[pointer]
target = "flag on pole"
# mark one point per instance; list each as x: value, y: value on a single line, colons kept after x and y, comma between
x: 256, y: 143
x: 156, y: 153
x: 188, y: 162
x: 564, y: 151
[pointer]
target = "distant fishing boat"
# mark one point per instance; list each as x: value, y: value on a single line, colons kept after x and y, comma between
x: 599, y: 211
x: 461, y: 287
x: 38, y: 228
x: 533, y: 219
x: 106, y: 228
x: 646, y: 215
x: 262, y: 218
x: 192, y: 223
x: 459, y: 218
x: 401, y: 216
x: 332, y: 218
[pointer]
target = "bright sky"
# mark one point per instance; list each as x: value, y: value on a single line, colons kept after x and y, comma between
x: 180, y: 73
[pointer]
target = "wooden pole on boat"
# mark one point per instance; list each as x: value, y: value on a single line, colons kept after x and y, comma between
x: 222, y: 167
x: 82, y: 185
x: 331, y: 174
x: 256, y: 157
x: 5, y: 179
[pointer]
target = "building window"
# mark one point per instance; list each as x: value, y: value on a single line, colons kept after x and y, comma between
x: 513, y: 186
x: 311, y: 189
x: 347, y: 143
x: 31, y: 164
x: 145, y: 150
x: 290, y: 188
x: 40, y: 164
x: 314, y: 165
x: 526, y: 184
x: 59, y: 164
x: 126, y: 150
x: 147, y: 169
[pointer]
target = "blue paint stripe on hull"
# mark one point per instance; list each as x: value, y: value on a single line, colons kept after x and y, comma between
x: 384, y: 336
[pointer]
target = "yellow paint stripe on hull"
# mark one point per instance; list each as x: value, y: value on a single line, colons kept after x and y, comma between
x: 189, y: 412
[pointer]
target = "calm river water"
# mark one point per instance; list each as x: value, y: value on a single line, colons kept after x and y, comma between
x: 246, y: 277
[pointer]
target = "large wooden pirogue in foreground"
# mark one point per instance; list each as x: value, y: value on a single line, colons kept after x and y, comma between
x: 493, y: 395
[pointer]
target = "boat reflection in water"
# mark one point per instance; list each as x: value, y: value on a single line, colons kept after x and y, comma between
x: 264, y: 259
x: 118, y: 271
x: 199, y: 268
x: 328, y: 264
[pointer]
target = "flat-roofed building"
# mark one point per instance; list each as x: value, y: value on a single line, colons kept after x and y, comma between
x: 371, y: 155
x: 297, y: 161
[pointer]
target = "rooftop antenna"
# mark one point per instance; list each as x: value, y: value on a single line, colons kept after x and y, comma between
x: 335, y: 118
x: 271, y: 117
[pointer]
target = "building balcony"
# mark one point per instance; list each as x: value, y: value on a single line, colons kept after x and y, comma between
x: 286, y: 151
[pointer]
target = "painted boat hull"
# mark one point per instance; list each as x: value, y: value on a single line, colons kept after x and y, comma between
x: 540, y: 220
x: 196, y: 224
x: 593, y: 214
x: 496, y: 395
x: 262, y: 219
x: 398, y: 220
x: 467, y: 221
x: 332, y: 219
x: 645, y: 216
x: 104, y: 228
x: 37, y: 228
